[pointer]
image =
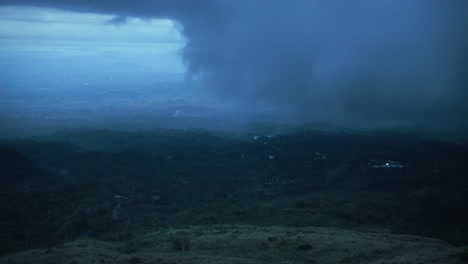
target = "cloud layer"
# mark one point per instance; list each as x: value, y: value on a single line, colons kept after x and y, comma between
x: 368, y: 62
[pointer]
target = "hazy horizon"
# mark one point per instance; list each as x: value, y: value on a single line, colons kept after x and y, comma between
x: 223, y: 64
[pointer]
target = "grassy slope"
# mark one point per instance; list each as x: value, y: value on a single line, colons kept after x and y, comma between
x: 248, y: 244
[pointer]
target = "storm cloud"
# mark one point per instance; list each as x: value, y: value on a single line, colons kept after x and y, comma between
x: 376, y: 62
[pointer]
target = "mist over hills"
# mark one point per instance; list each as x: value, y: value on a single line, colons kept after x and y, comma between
x: 38, y: 104
x: 243, y: 131
x: 359, y: 65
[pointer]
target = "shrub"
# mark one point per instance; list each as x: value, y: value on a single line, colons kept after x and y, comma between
x: 463, y: 255
x: 135, y: 260
x: 304, y: 247
x: 180, y: 242
x: 272, y: 239
x: 123, y: 236
x: 129, y: 248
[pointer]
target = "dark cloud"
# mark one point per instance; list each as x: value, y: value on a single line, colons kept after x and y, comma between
x: 368, y: 61
x: 117, y: 20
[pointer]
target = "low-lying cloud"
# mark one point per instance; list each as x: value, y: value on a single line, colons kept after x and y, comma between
x: 373, y: 62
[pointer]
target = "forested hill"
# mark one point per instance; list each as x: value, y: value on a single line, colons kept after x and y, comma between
x: 98, y: 183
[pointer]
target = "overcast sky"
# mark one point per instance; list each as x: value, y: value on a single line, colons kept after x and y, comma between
x: 371, y: 62
x: 45, y: 34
